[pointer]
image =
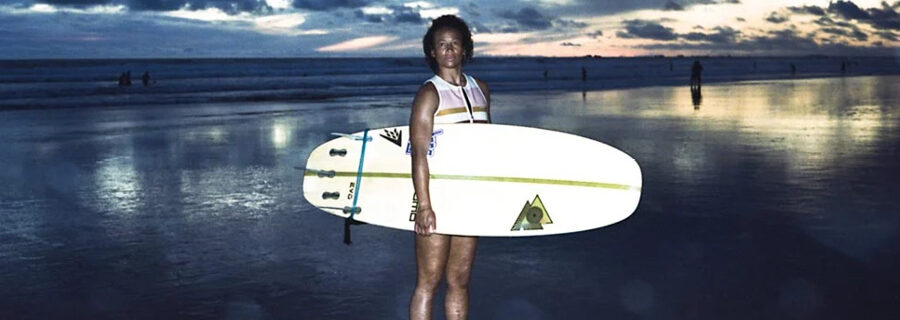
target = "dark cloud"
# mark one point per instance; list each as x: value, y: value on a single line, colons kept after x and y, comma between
x: 721, y: 35
x: 672, y: 6
x: 595, y: 34
x: 784, y: 42
x: 610, y: 7
x: 228, y: 6
x: 569, y: 23
x: 855, y: 34
x: 741, y: 19
x: 570, y: 44
x: 787, y: 39
x: 78, y: 3
x: 887, y: 35
x: 322, y: 5
x: 646, y: 30
x: 848, y: 10
x: 776, y: 17
x: 529, y: 18
x: 813, y: 10
x: 886, y: 17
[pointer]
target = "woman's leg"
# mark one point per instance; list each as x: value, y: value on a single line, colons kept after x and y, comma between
x: 459, y: 271
x: 431, y: 259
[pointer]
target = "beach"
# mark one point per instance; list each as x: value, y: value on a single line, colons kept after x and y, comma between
x: 771, y: 197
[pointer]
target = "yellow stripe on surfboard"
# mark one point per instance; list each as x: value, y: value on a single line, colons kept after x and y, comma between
x: 575, y: 183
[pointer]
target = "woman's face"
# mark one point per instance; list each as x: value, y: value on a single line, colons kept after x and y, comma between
x: 448, y: 48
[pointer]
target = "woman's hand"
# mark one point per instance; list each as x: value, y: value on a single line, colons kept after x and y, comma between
x: 426, y: 222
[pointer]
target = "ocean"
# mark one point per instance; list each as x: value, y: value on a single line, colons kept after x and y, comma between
x: 32, y: 84
x: 769, y: 195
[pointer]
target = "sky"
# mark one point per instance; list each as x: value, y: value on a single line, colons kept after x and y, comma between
x: 38, y: 29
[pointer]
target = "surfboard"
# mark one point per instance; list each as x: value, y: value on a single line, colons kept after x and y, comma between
x: 485, y: 180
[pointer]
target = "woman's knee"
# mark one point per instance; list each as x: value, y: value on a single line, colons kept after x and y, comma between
x: 429, y: 278
x: 458, y: 277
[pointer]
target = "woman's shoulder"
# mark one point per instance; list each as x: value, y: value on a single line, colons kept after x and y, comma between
x: 427, y: 90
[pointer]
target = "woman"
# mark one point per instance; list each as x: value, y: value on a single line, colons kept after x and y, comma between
x: 449, y: 97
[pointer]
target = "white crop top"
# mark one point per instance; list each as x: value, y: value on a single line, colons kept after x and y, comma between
x: 459, y: 104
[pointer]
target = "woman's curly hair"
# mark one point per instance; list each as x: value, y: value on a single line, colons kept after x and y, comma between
x: 452, y: 22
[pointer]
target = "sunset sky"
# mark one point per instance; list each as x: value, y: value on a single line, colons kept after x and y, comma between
x: 362, y: 28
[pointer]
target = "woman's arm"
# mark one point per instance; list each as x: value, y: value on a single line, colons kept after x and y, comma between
x: 421, y: 124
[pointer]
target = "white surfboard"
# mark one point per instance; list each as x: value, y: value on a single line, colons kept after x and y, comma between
x: 486, y: 180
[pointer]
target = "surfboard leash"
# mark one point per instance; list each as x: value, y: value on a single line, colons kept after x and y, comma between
x: 359, y: 171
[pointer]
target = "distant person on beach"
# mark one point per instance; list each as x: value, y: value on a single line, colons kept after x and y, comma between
x: 125, y: 79
x: 843, y: 67
x: 793, y: 69
x: 146, y: 78
x: 583, y: 74
x: 696, y: 98
x: 671, y: 65
x: 450, y: 96
x: 696, y: 71
x: 545, y: 74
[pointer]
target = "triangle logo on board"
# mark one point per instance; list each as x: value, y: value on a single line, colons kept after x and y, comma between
x: 533, y: 216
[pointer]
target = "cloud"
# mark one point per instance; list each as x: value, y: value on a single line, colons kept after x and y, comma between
x: 529, y: 18
x: 848, y: 10
x: 813, y: 10
x: 855, y: 33
x: 79, y: 3
x: 595, y: 34
x: 391, y: 14
x: 227, y: 6
x: 776, y: 17
x: 646, y: 30
x: 886, y: 17
x: 721, y: 35
x: 324, y: 5
x: 887, y: 35
x: 570, y: 44
x: 672, y: 6
x: 357, y: 44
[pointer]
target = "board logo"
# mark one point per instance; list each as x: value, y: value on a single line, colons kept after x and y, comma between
x: 533, y: 216
x: 395, y: 136
x: 415, y: 207
x: 431, y: 146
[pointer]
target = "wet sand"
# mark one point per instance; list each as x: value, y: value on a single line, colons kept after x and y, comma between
x: 762, y: 200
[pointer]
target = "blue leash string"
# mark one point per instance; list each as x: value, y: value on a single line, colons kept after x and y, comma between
x: 362, y: 158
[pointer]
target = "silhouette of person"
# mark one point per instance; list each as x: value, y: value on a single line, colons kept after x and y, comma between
x: 696, y: 71
x: 671, y: 65
x: 696, y: 98
x: 843, y: 67
x: 583, y: 74
x: 545, y: 74
x: 793, y: 69
x: 146, y: 78
x: 125, y: 79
